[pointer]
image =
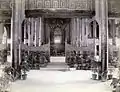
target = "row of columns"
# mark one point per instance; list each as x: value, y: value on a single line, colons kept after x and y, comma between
x: 80, y: 31
x: 33, y: 29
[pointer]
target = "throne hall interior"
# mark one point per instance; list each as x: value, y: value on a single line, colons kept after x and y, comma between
x: 56, y: 28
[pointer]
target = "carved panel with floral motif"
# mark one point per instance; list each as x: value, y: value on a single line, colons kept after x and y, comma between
x: 39, y: 3
x: 32, y: 4
x: 63, y: 3
x: 72, y: 4
x: 81, y: 4
x: 55, y: 4
x: 47, y: 3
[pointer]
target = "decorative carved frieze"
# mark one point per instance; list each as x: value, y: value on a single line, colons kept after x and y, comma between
x: 47, y: 3
x: 40, y: 4
x: 55, y: 3
x: 59, y: 4
x: 31, y: 4
x: 64, y: 3
x: 113, y: 5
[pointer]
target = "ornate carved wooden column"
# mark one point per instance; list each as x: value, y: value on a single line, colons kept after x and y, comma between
x: 83, y: 32
x: 29, y: 32
x: 1, y: 31
x: 77, y: 32
x: 40, y: 30
x: 75, y: 29
x: 16, y: 23
x: 104, y: 35
x: 32, y: 31
x: 94, y: 33
x: 72, y: 33
x: 87, y: 30
x: 80, y: 31
x: 102, y: 18
x: 37, y: 28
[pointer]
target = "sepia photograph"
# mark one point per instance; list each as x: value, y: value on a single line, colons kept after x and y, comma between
x: 59, y: 45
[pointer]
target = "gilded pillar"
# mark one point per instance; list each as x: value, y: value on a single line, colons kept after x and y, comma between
x: 32, y: 31
x: 37, y: 26
x: 102, y: 19
x: 16, y: 25
x: 78, y: 32
x: 80, y: 25
x: 29, y: 32
x: 40, y: 30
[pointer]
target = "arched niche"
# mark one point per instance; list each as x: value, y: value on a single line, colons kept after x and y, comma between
x: 24, y: 30
x: 94, y: 29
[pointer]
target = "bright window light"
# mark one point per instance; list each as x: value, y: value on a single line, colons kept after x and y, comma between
x: 57, y: 39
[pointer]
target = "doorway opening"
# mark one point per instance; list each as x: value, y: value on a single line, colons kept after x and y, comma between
x: 58, y: 30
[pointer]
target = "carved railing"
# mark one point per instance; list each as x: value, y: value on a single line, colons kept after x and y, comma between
x: 69, y: 48
x: 45, y: 47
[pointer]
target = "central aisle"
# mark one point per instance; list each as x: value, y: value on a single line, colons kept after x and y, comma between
x: 60, y: 81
